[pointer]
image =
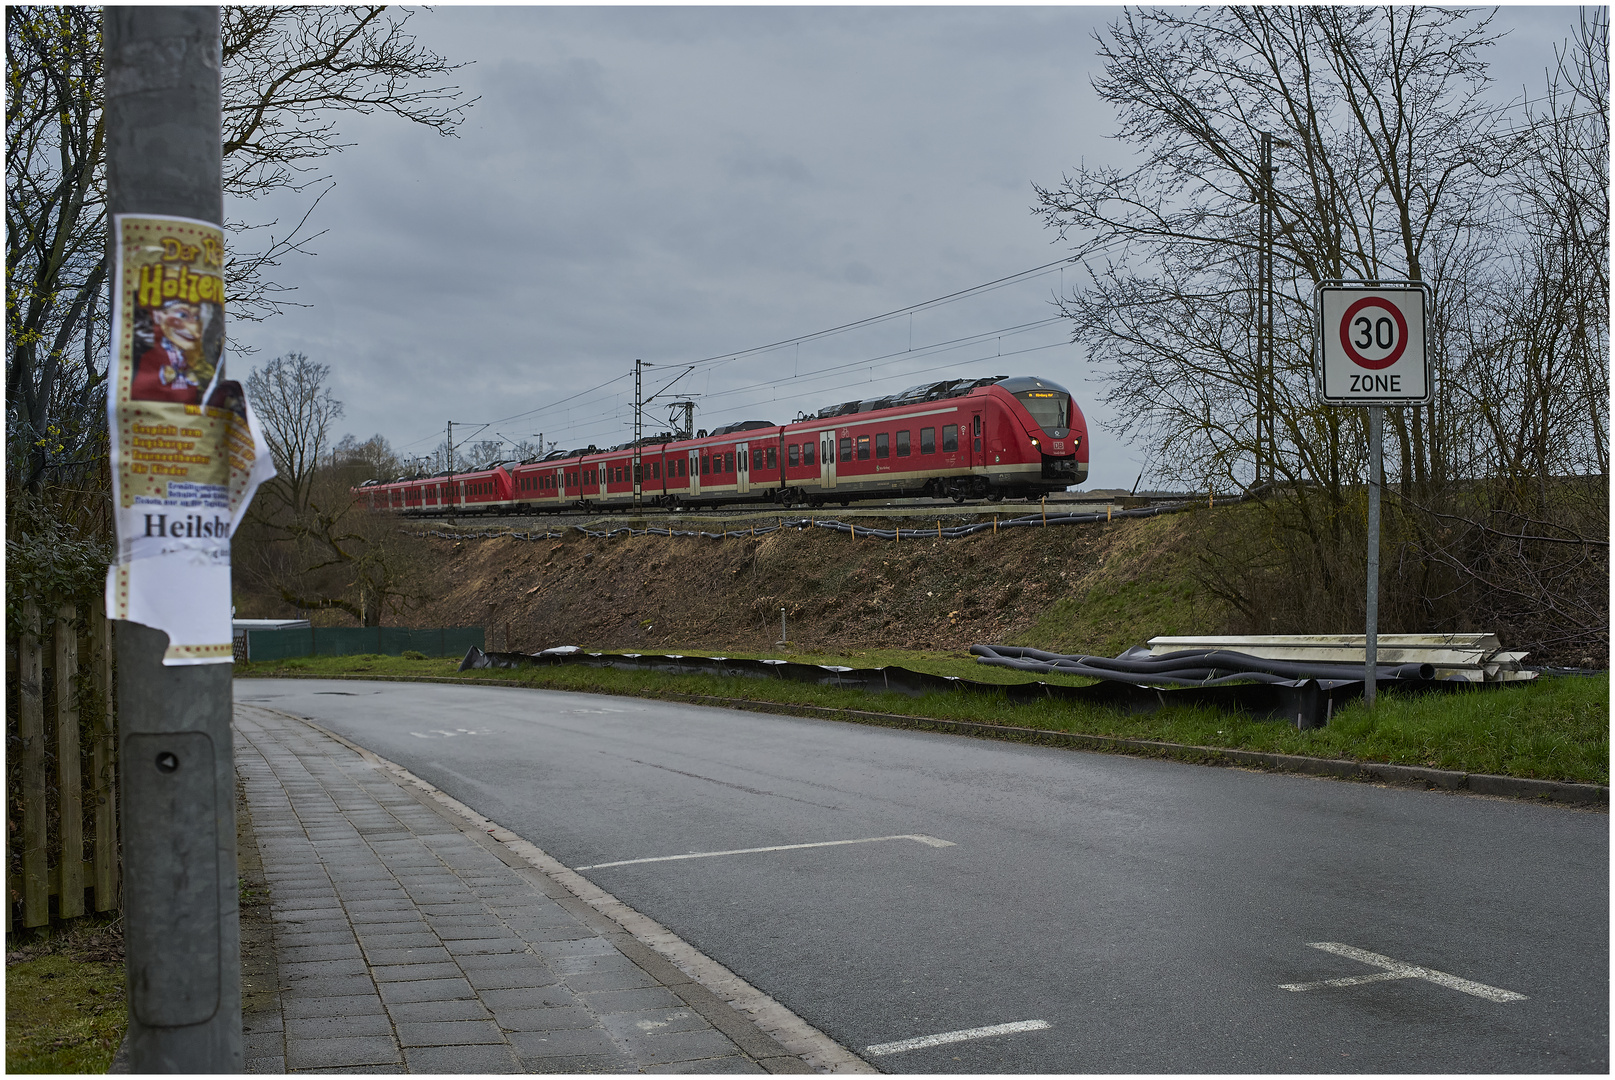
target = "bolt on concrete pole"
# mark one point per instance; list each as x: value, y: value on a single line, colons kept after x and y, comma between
x: 182, y: 936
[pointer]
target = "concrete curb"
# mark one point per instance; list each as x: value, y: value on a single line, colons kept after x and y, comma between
x: 1509, y: 787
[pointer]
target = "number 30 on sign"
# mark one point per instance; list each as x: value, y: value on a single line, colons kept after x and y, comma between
x: 1371, y: 343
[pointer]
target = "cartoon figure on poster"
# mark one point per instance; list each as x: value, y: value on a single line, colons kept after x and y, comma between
x: 177, y: 350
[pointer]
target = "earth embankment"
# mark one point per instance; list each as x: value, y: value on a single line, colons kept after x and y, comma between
x: 1098, y: 588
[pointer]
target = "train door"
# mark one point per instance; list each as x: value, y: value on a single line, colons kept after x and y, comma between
x: 695, y: 473
x: 742, y: 468
x: 827, y: 459
x: 977, y: 459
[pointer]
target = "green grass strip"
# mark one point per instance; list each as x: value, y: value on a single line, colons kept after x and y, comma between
x: 64, y: 1013
x: 1550, y: 729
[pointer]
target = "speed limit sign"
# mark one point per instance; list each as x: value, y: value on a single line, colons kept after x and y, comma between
x: 1371, y: 343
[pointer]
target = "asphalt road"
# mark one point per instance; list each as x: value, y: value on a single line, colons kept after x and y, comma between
x: 1150, y: 913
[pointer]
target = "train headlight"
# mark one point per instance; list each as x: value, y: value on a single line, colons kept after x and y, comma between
x: 1035, y: 442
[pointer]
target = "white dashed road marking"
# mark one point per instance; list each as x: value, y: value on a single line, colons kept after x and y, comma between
x: 1397, y: 969
x: 903, y: 1047
x: 930, y: 841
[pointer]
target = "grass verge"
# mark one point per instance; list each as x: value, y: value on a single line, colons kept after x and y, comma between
x: 64, y: 998
x: 1552, y: 729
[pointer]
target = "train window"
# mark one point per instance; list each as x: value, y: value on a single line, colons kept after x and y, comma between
x: 978, y: 427
x: 656, y: 470
x: 902, y: 443
x: 928, y: 440
x: 772, y: 457
x: 863, y: 448
x: 793, y: 455
x: 950, y: 438
x: 683, y: 467
x: 807, y: 453
x: 846, y: 449
x: 706, y: 464
x: 756, y: 457
x: 639, y: 474
x: 729, y: 463
x: 883, y: 445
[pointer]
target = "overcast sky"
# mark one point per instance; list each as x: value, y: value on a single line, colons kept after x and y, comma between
x: 685, y: 184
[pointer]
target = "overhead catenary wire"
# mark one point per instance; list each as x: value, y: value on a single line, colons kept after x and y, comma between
x: 719, y: 359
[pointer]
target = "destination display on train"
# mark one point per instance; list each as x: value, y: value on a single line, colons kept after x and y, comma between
x: 187, y: 452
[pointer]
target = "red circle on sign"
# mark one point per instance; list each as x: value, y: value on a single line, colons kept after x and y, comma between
x: 1401, y: 333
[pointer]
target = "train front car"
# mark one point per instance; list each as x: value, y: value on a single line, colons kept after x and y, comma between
x: 1037, y: 438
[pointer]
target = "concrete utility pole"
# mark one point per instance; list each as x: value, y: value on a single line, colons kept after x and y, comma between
x: 182, y: 937
x: 1266, y: 436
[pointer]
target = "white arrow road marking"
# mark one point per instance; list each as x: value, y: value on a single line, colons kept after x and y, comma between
x: 1397, y: 969
x: 903, y: 1047
x: 927, y: 840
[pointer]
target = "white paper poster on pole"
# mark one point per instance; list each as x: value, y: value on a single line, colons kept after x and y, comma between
x: 187, y: 451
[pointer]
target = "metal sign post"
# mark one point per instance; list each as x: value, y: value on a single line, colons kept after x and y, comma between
x: 1373, y: 352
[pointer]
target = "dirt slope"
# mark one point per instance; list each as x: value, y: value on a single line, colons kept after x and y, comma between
x: 1094, y: 588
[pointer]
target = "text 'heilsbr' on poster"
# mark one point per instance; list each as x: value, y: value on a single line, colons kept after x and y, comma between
x: 187, y: 451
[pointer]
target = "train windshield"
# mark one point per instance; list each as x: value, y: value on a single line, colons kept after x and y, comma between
x: 1050, y: 408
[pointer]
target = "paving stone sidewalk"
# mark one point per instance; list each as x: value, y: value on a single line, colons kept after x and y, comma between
x: 402, y: 941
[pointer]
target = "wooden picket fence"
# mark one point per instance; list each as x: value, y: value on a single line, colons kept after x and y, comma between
x: 61, y: 804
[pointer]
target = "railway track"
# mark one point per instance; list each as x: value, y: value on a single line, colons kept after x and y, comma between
x: 945, y: 509
x: 952, y: 520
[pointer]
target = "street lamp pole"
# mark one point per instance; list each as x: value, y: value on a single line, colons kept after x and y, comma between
x: 182, y: 934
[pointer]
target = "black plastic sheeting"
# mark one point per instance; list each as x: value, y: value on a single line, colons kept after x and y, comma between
x: 1188, y: 667
x: 1305, y: 702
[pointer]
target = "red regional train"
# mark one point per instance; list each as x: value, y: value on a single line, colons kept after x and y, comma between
x: 1003, y: 437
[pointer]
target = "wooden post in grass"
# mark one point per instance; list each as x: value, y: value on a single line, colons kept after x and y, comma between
x: 69, y: 784
x: 104, y: 784
x: 31, y: 730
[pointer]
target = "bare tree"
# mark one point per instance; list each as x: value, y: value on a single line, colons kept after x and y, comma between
x: 297, y: 410
x: 1385, y: 148
x: 1390, y: 164
x: 374, y: 459
x: 306, y: 540
x: 287, y: 73
x: 55, y: 237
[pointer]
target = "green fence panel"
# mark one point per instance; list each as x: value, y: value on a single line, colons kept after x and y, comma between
x: 361, y: 640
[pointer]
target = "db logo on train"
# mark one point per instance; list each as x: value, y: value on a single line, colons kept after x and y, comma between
x: 1371, y: 343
